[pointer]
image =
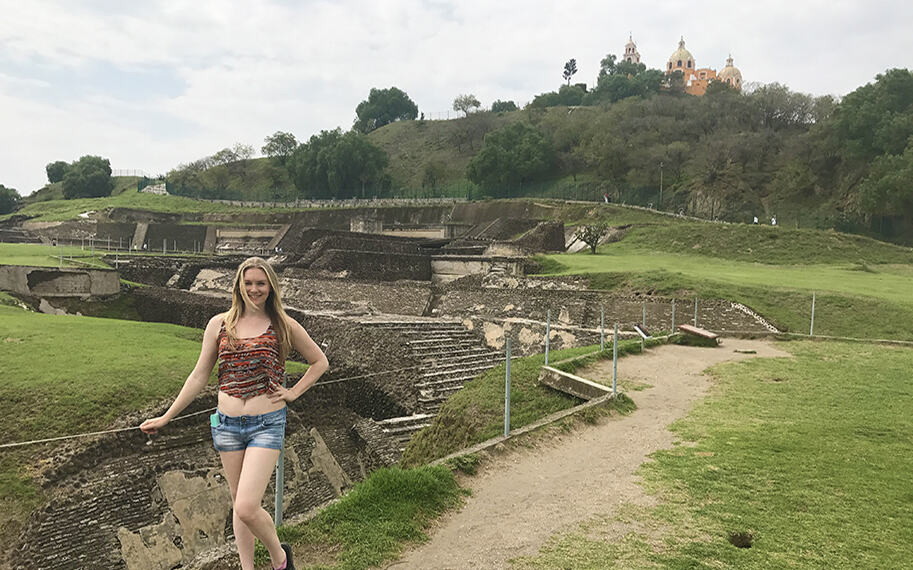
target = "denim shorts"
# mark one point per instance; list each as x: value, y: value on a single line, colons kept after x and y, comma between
x: 236, y: 433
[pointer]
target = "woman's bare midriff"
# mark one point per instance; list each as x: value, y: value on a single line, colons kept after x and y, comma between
x: 254, y: 406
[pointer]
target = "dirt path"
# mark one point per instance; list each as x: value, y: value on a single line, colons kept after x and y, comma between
x: 523, y: 498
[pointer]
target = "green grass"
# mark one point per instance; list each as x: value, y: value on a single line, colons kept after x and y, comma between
x: 374, y: 521
x: 62, y: 210
x: 46, y: 255
x: 94, y: 370
x: 810, y: 455
x: 476, y: 413
x: 862, y: 287
x: 761, y: 244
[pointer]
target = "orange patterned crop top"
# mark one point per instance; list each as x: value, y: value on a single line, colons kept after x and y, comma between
x: 252, y: 367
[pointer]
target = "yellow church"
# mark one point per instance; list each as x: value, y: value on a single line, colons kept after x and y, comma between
x: 696, y: 79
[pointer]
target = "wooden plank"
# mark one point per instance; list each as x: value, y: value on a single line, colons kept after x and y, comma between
x: 698, y: 331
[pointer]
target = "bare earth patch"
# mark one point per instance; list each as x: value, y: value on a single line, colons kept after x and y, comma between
x: 520, y: 499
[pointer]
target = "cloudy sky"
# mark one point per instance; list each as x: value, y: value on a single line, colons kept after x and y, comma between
x: 154, y: 84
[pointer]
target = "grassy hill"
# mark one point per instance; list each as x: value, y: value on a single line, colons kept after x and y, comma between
x: 861, y: 285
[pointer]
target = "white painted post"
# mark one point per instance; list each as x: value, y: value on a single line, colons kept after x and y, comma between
x: 673, y: 315
x: 644, y: 321
x: 548, y: 322
x: 601, y: 327
x: 695, y: 311
x: 811, y: 330
x: 164, y: 245
x: 615, y: 362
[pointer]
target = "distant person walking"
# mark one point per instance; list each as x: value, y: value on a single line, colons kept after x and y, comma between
x: 251, y: 342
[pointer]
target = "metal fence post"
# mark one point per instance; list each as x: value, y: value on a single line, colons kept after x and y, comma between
x: 548, y: 322
x: 507, y: 394
x: 601, y: 328
x: 644, y: 321
x: 164, y: 245
x: 615, y: 362
x: 811, y: 330
x: 695, y: 311
x: 673, y: 315
x: 280, y: 481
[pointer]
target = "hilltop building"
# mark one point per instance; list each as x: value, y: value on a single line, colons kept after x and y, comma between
x: 631, y: 54
x: 696, y: 79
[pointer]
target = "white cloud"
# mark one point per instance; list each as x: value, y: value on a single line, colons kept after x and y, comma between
x: 238, y: 71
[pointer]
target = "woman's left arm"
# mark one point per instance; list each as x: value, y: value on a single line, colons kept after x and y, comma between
x: 317, y: 360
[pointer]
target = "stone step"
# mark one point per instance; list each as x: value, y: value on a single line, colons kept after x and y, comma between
x: 410, y: 429
x: 464, y: 360
x: 440, y: 346
x: 442, y: 340
x: 472, y: 371
x: 460, y: 335
x: 437, y: 397
x: 430, y: 353
x: 458, y: 381
x: 404, y: 420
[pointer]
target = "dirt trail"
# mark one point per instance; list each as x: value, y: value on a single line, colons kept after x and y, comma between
x: 524, y: 497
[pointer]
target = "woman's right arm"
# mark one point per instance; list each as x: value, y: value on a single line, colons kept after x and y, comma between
x: 197, y: 379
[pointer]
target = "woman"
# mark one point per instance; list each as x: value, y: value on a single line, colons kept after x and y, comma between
x: 251, y: 342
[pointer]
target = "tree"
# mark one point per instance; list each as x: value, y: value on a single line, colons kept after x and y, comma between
x: 514, y: 154
x: 9, y: 199
x: 567, y: 96
x: 88, y: 177
x: 591, y: 234
x: 56, y: 170
x: 337, y: 165
x: 382, y: 107
x: 466, y: 103
x: 434, y: 173
x: 570, y: 68
x: 280, y: 146
x: 607, y: 65
x: 503, y: 106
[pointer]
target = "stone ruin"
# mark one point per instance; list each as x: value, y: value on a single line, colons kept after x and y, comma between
x: 404, y: 322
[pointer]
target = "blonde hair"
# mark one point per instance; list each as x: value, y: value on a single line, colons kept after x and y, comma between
x: 240, y: 302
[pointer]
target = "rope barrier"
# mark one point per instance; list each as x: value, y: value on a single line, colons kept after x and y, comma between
x: 207, y: 411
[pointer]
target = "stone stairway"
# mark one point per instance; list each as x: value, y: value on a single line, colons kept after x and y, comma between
x: 450, y: 356
x: 18, y: 235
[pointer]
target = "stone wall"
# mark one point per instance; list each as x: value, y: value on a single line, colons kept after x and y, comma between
x: 300, y: 239
x: 312, y: 290
x: 175, y: 237
x: 520, y: 310
x: 120, y: 233
x: 546, y: 236
x: 58, y: 282
x: 130, y: 501
x: 375, y: 265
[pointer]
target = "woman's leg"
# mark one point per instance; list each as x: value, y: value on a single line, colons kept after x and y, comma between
x: 232, y: 462
x: 256, y: 471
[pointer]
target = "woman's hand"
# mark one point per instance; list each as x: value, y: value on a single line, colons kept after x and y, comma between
x: 281, y: 394
x: 153, y: 425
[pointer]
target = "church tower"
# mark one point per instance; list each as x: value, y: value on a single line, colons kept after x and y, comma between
x: 731, y: 75
x: 631, y: 54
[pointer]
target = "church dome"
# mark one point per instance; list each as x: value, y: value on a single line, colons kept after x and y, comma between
x: 731, y: 75
x: 680, y: 58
